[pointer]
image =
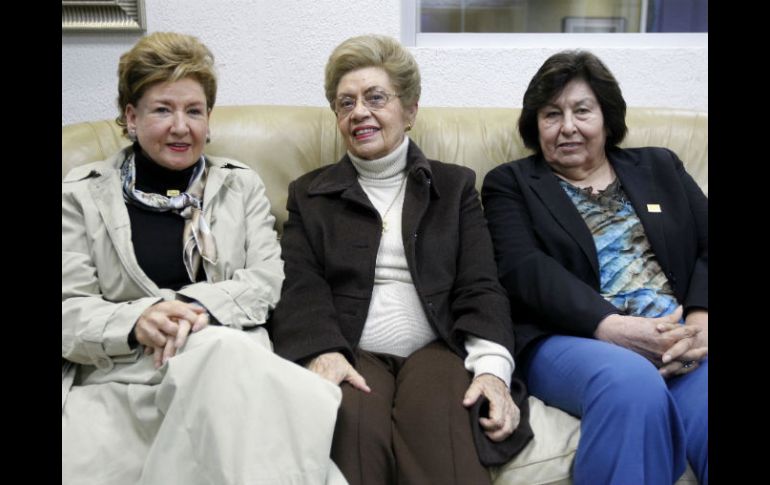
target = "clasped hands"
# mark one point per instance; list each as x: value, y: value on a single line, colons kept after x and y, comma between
x: 504, y: 415
x: 163, y: 328
x: 674, y: 348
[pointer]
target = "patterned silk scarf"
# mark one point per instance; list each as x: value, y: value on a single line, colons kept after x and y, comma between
x: 198, y: 240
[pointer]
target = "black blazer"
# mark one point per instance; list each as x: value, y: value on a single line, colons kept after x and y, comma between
x: 546, y: 255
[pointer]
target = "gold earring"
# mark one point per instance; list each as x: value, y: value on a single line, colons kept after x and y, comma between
x: 408, y: 126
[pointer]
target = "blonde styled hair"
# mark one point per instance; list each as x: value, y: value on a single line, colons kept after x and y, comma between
x: 164, y: 57
x: 374, y: 51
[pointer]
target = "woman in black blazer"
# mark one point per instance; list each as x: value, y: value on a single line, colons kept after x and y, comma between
x: 604, y: 254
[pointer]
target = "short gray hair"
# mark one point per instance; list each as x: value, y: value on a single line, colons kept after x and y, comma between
x: 374, y: 51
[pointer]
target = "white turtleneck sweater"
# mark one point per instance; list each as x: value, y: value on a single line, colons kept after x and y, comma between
x: 396, y: 323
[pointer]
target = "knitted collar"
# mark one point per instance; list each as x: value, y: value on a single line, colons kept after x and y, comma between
x: 385, y: 167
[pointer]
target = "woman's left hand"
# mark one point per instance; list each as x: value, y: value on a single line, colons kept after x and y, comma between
x: 504, y: 415
x: 684, y: 356
x: 161, y: 354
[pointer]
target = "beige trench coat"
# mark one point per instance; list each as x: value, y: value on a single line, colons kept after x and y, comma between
x: 225, y: 409
x: 103, y: 288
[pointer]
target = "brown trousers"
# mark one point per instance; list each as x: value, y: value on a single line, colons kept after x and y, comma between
x: 412, y: 429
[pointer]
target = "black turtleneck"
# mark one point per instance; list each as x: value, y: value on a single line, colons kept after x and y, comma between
x: 157, y: 236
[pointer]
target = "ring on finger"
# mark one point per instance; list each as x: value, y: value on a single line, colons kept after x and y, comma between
x: 688, y: 364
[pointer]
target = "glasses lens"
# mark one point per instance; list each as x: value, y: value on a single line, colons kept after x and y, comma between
x: 372, y: 100
x: 345, y: 104
x: 376, y: 99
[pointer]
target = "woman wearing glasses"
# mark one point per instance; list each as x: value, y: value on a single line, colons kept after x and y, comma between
x: 391, y: 290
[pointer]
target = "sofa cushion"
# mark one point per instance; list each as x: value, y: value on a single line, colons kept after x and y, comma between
x: 548, y: 458
x: 283, y: 142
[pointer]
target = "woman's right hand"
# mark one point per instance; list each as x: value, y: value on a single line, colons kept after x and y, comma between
x: 335, y: 367
x: 641, y: 334
x: 163, y: 328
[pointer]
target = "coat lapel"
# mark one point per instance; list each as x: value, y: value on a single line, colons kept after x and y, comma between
x: 419, y: 187
x: 639, y: 185
x: 107, y: 193
x: 215, y: 177
x: 546, y: 185
x: 341, y: 178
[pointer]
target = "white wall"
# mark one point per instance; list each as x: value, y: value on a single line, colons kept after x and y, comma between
x: 274, y: 52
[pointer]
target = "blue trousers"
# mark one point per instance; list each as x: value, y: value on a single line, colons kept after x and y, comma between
x: 636, y: 427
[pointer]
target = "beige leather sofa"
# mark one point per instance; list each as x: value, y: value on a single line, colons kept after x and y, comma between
x: 283, y: 142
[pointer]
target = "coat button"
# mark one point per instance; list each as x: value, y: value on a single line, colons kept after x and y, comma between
x: 672, y: 278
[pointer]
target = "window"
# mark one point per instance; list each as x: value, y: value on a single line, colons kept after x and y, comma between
x: 552, y: 16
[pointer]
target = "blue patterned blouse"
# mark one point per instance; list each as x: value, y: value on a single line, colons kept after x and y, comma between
x: 631, y: 277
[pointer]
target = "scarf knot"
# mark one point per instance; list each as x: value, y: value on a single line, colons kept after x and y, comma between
x: 197, y: 237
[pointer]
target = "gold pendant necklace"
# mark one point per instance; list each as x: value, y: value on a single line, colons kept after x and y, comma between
x: 387, y: 211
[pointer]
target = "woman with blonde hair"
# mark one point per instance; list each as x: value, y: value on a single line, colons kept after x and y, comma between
x: 170, y: 267
x: 391, y: 290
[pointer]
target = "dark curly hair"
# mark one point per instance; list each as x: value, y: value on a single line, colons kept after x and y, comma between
x: 549, y: 81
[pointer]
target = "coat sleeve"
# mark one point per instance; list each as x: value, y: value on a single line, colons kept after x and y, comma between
x: 246, y: 298
x: 698, y: 292
x: 304, y: 323
x: 478, y: 302
x: 533, y: 279
x: 94, y: 330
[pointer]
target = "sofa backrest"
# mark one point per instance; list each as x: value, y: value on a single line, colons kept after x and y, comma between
x: 283, y: 142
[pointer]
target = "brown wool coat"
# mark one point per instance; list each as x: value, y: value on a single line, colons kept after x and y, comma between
x: 330, y: 245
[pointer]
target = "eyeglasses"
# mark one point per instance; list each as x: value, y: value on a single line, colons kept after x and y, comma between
x: 373, y: 100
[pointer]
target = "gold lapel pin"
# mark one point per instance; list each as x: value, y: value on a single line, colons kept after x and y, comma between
x: 653, y: 208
